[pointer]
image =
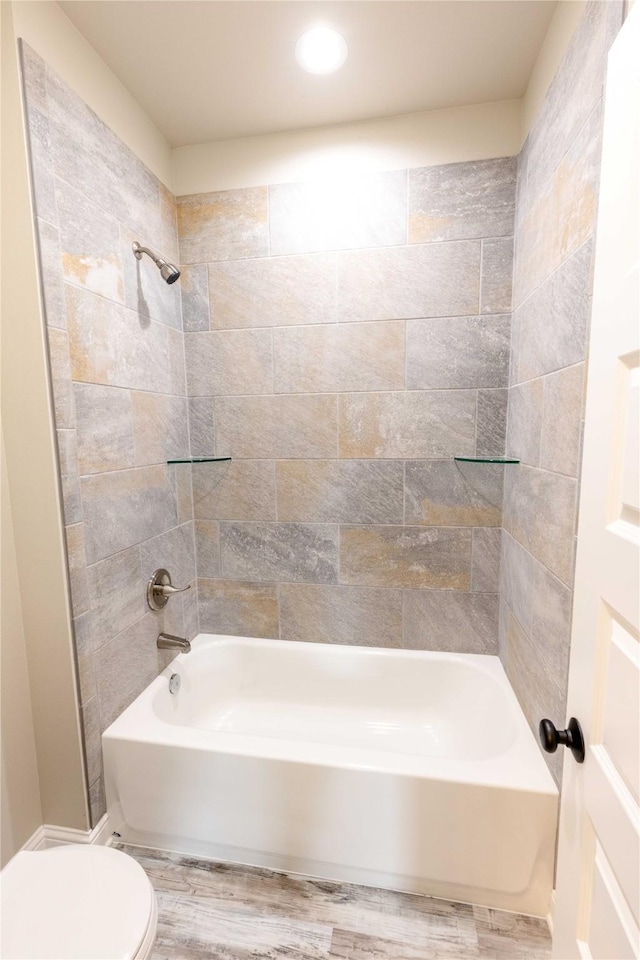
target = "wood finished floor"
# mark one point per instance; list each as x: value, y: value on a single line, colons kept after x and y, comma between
x: 215, y: 910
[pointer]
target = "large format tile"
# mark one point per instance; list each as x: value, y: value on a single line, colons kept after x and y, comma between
x: 238, y: 608
x: 334, y: 358
x: 435, y: 557
x: 551, y: 623
x: 430, y: 280
x: 89, y: 244
x: 126, y: 507
x: 562, y: 420
x: 229, y: 363
x: 194, y: 291
x: 175, y: 551
x: 207, y: 534
x: 525, y: 421
x: 109, y: 345
x: 274, y: 292
x: 451, y: 620
x: 458, y: 352
x: 235, y: 490
x: 340, y: 491
x: 338, y: 214
x: 117, y: 594
x: 104, y: 428
x: 540, y: 512
x: 416, y: 425
x: 280, y: 427
x: 363, y: 616
x: 160, y: 427
x: 517, y: 580
x: 442, y: 492
x: 69, y: 476
x: 76, y: 541
x: 497, y: 270
x: 491, y: 426
x: 552, y: 323
x: 144, y: 289
x: 485, y: 560
x: 51, y: 275
x: 60, y: 366
x: 226, y: 225
x: 459, y: 201
x: 279, y: 551
x: 202, y: 433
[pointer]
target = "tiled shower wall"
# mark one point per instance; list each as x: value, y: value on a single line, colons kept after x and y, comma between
x: 344, y: 341
x: 117, y: 364
x: 558, y: 175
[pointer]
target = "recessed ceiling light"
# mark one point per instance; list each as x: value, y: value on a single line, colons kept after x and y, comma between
x: 321, y: 50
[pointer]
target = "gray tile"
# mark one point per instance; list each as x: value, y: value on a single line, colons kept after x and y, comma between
x: 51, y: 274
x: 442, y: 492
x: 340, y: 491
x: 69, y: 476
x: 497, y: 270
x: 423, y: 424
x: 97, y: 801
x: 177, y: 371
x: 562, y: 420
x: 485, y: 560
x: 281, y: 427
x: 274, y: 292
x: 145, y: 290
x: 279, y: 551
x: 524, y: 421
x: 43, y: 180
x: 458, y: 201
x: 432, y: 557
x: 104, y: 428
x: 450, y: 620
x: 551, y: 623
x: 235, y: 490
x: 109, y: 344
x: 238, y: 608
x: 127, y: 664
x: 175, y: 551
x: 84, y: 647
x: 91, y: 728
x: 458, y: 352
x: 179, y: 478
x: 553, y: 322
x: 194, y: 290
x: 517, y: 580
x: 75, y: 537
x: 227, y: 225
x: 207, y: 549
x: 89, y: 244
x: 540, y: 512
x: 535, y: 688
x: 339, y: 214
x: 202, y: 434
x: 491, y: 423
x: 117, y: 594
x: 363, y: 616
x: 340, y: 357
x: 160, y: 427
x: 430, y: 280
x: 60, y: 367
x: 124, y: 507
x: 229, y: 363
x: 34, y: 76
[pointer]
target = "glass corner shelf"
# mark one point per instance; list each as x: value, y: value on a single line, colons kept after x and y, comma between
x: 199, y: 460
x: 487, y: 459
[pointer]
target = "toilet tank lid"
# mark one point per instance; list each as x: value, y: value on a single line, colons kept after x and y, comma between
x: 74, y: 902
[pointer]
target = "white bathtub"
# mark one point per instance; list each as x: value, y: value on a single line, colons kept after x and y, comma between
x: 409, y: 770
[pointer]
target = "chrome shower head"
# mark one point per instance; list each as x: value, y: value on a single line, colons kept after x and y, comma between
x: 168, y: 271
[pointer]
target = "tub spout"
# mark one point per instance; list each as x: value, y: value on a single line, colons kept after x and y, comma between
x: 166, y: 641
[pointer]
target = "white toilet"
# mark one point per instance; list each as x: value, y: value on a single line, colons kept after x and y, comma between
x: 76, y: 903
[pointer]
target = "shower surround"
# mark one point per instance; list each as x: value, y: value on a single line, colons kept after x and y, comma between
x: 342, y: 342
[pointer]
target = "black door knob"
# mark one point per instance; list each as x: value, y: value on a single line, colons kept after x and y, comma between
x: 571, y: 737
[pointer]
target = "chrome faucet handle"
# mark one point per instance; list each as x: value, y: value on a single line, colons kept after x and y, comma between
x: 159, y: 589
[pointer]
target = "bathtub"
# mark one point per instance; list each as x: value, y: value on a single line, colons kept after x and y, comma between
x: 402, y: 769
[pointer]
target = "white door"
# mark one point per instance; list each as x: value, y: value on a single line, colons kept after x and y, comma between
x: 597, y: 911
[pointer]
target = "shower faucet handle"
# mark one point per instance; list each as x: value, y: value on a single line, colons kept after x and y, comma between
x: 159, y: 589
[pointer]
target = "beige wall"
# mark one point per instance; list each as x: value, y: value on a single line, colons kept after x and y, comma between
x: 21, y: 810
x: 51, y: 34
x: 34, y: 494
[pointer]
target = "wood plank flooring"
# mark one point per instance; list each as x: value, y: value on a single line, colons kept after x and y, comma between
x: 216, y: 910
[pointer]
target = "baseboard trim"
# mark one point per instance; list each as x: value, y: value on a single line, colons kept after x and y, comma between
x: 49, y: 835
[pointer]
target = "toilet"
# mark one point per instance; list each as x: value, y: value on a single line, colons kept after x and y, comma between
x: 76, y: 902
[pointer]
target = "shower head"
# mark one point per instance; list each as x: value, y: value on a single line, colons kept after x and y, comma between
x: 168, y: 271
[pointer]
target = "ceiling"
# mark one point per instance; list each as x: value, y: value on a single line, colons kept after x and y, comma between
x: 206, y: 71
